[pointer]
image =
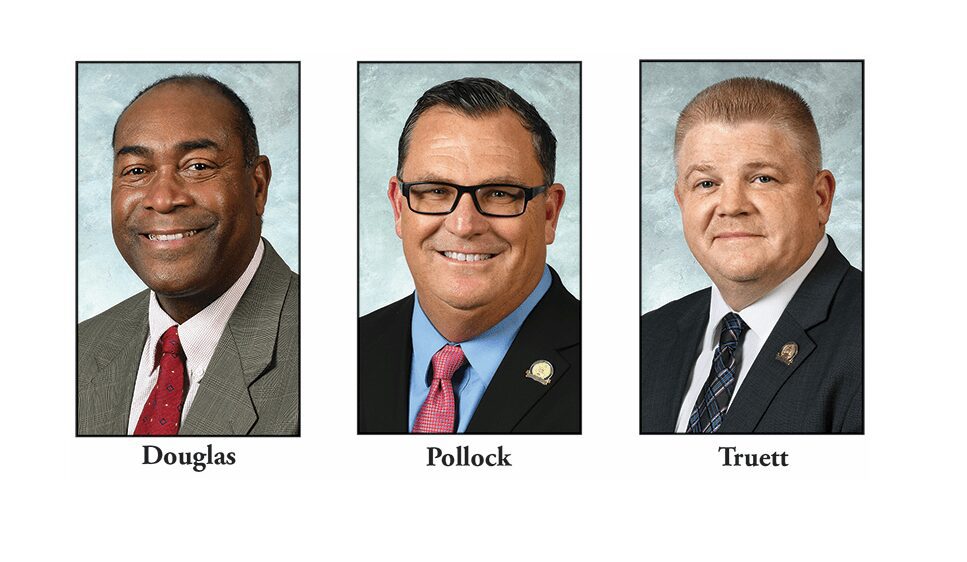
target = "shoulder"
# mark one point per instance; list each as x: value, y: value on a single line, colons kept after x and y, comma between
x: 690, y: 308
x: 558, y: 299
x: 387, y: 318
x: 115, y: 319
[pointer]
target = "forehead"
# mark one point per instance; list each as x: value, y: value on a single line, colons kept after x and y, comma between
x: 718, y: 142
x: 471, y: 149
x: 173, y: 113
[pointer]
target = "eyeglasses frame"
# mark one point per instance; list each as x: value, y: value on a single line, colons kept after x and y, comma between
x: 529, y: 193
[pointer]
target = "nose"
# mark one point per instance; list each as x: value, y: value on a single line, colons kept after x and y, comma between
x: 166, y: 193
x: 465, y: 221
x: 733, y: 199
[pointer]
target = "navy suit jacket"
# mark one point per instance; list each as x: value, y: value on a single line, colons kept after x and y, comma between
x: 512, y: 402
x: 821, y: 391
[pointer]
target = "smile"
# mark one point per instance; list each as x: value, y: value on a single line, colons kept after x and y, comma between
x: 467, y: 257
x: 171, y: 236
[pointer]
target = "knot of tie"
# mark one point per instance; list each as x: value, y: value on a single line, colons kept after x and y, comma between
x: 732, y: 328
x: 169, y: 344
x: 447, y: 361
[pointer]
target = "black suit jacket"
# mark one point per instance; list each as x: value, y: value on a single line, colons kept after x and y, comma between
x: 512, y: 403
x: 821, y: 391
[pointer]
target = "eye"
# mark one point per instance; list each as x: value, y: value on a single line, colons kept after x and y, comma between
x: 764, y: 179
x: 135, y: 171
x: 198, y: 167
x: 705, y: 184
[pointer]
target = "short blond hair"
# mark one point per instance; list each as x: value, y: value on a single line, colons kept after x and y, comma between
x: 745, y: 99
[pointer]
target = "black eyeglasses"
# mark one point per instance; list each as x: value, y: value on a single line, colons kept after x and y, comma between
x: 490, y: 199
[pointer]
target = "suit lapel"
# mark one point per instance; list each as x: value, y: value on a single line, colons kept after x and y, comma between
x: 809, y: 307
x: 766, y: 377
x: 223, y: 404
x: 385, y: 372
x: 679, y: 359
x: 112, y: 387
x: 511, y: 394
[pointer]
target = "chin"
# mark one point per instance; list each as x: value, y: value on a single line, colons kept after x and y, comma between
x: 738, y: 271
x: 464, y: 300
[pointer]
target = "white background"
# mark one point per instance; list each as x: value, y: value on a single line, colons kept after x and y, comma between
x: 608, y: 494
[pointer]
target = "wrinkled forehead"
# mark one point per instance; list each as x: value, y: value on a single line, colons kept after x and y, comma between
x: 445, y: 137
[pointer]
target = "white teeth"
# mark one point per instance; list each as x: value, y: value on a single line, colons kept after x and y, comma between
x: 467, y: 257
x: 176, y: 236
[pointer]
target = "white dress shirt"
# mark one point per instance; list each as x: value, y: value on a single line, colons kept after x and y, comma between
x: 760, y: 317
x: 199, y: 335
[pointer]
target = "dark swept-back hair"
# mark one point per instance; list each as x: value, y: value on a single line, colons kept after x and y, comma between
x: 476, y: 97
x: 244, y: 125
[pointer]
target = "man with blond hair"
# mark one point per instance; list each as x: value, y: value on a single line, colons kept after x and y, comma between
x: 775, y: 345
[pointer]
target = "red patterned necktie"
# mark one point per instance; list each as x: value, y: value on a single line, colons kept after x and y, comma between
x: 162, y: 411
x: 439, y: 410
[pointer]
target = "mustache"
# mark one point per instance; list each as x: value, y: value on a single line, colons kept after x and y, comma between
x: 170, y: 223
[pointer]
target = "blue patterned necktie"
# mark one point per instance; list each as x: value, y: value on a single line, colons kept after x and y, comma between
x: 713, y: 401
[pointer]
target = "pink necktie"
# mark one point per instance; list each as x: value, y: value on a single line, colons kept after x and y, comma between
x: 162, y: 412
x: 438, y: 412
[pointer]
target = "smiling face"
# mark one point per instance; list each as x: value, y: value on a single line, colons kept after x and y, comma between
x: 185, y: 208
x: 753, y: 210
x: 469, y: 268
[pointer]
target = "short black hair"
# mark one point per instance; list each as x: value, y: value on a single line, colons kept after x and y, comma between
x: 244, y: 125
x: 483, y: 96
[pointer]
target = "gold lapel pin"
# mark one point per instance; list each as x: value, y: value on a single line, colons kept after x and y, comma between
x: 788, y: 353
x: 541, y: 371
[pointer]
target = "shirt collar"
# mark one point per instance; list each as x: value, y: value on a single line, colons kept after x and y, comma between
x: 200, y: 334
x: 484, y: 352
x: 762, y: 315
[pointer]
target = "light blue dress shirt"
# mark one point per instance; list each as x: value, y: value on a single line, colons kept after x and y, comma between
x: 484, y: 354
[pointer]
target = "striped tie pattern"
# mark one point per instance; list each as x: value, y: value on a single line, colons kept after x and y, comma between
x: 438, y: 414
x: 713, y: 402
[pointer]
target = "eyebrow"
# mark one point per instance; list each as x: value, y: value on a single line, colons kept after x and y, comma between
x: 137, y: 150
x: 697, y: 168
x: 758, y: 164
x: 197, y: 144
x: 184, y: 146
x: 761, y: 164
x: 498, y: 180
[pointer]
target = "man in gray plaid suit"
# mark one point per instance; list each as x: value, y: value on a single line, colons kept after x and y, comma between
x: 188, y: 192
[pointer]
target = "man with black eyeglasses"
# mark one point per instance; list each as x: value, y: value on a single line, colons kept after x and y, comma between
x: 490, y: 340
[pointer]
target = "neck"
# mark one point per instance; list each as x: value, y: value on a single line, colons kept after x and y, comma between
x: 738, y: 296
x: 182, y: 309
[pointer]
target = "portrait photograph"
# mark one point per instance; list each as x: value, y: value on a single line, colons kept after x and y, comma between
x: 469, y: 213
x: 188, y: 248
x: 751, y: 247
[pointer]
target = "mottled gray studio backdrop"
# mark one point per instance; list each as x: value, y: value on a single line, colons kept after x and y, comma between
x: 387, y: 94
x: 833, y: 91
x: 271, y: 90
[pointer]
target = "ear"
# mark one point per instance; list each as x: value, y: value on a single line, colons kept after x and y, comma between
x: 261, y: 176
x: 397, y: 201
x: 553, y: 202
x: 824, y: 187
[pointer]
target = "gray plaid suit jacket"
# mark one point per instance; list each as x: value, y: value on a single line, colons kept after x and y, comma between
x: 251, y: 386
